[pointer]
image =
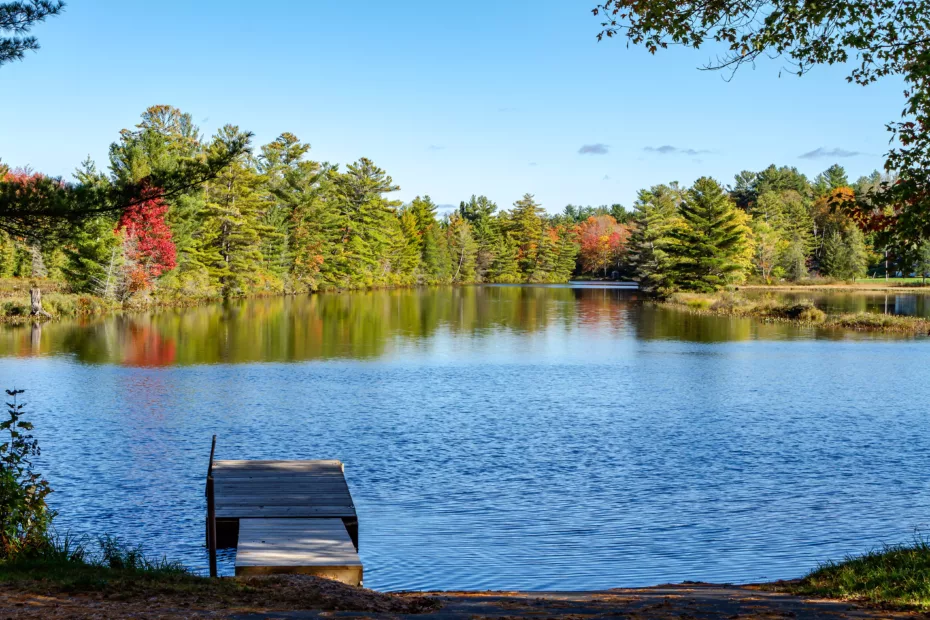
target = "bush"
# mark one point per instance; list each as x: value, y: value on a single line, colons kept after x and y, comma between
x: 806, y: 312
x: 24, y: 515
x: 14, y: 307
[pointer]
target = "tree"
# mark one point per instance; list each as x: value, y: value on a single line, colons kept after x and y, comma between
x: 525, y: 230
x: 767, y: 245
x: 147, y: 241
x: 714, y: 247
x: 844, y: 255
x: 17, y: 19
x: 480, y: 211
x: 879, y: 39
x: 656, y: 222
x: 359, y: 212
x: 230, y: 243
x: 830, y: 179
x: 603, y: 243
x: 50, y: 207
x: 463, y: 249
x: 922, y: 263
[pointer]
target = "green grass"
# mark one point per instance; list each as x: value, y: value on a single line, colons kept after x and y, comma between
x: 896, y: 576
x: 113, y: 571
x: 71, y: 565
x: 894, y: 281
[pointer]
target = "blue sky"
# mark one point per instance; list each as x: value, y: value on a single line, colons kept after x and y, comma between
x: 486, y: 97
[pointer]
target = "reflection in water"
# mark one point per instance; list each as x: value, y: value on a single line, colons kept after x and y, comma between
x: 907, y: 304
x: 369, y: 325
x: 287, y: 329
x: 495, y: 436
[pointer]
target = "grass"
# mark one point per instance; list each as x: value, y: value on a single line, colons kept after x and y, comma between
x: 897, y: 576
x: 732, y: 304
x: 803, y: 312
x: 830, y: 284
x: 117, y: 572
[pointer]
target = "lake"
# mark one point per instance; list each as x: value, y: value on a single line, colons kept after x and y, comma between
x: 506, y: 437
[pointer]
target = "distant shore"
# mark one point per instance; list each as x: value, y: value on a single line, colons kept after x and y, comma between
x: 908, y: 285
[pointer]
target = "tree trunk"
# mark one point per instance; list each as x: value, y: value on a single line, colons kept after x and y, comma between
x: 35, y: 299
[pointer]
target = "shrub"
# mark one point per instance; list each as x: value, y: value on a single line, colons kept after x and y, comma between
x: 15, y: 307
x: 805, y: 311
x: 24, y: 515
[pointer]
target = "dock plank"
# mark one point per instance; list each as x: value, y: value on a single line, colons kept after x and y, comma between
x: 319, y: 547
x: 259, y: 512
x: 287, y: 516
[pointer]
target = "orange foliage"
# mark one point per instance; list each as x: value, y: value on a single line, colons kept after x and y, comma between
x: 603, y: 243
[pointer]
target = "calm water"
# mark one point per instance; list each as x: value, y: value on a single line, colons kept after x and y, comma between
x: 495, y: 437
x: 908, y: 304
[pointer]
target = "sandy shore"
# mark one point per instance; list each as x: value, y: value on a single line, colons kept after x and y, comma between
x: 683, y: 601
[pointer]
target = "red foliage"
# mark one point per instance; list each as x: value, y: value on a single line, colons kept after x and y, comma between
x: 603, y: 242
x: 867, y: 217
x: 149, y: 238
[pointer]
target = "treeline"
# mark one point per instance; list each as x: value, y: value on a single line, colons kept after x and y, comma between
x: 274, y: 221
x: 769, y: 226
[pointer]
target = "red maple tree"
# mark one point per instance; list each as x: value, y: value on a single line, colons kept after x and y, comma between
x: 148, y: 238
x: 603, y: 243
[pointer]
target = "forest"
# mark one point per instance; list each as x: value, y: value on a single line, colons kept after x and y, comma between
x: 273, y: 221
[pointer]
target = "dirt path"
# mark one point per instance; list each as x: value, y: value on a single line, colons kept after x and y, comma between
x: 681, y: 602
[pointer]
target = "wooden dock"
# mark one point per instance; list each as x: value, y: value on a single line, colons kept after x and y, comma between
x: 283, y: 517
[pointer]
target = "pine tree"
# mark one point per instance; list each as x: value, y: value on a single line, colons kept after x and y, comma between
x: 233, y: 228
x: 546, y: 264
x: 525, y: 230
x: 566, y: 253
x: 433, y: 252
x: 844, y: 255
x: 830, y: 179
x: 480, y: 211
x: 279, y: 163
x: 656, y: 221
x: 713, y: 247
x: 505, y: 267
x: 360, y: 212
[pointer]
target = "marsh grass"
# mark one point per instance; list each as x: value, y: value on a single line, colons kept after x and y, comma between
x: 896, y: 575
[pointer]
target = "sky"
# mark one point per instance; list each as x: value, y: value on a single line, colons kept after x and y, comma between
x: 490, y: 97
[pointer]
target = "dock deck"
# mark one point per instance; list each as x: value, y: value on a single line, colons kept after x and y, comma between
x: 286, y: 516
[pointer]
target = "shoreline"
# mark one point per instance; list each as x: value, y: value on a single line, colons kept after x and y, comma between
x: 326, y: 599
x: 859, y: 287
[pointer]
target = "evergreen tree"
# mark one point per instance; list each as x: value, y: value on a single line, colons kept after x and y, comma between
x: 714, y: 244
x: 830, y: 179
x: 566, y: 254
x: 844, y: 255
x: 505, y: 267
x: 525, y: 231
x: 360, y: 212
x: 793, y: 259
x: 656, y: 220
x: 233, y: 227
x: 479, y: 212
x: 279, y: 162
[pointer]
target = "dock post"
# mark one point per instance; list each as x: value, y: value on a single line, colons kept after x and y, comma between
x: 211, y: 513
